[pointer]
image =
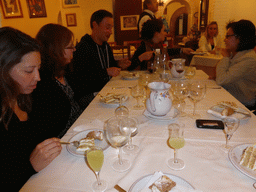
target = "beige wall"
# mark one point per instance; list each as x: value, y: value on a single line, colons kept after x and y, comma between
x: 53, y: 9
x: 225, y: 11
x: 221, y: 11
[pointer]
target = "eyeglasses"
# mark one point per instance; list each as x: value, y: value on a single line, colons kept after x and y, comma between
x: 227, y: 36
x: 71, y: 47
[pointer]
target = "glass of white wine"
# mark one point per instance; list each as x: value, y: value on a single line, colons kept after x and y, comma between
x: 176, y: 141
x: 95, y: 159
x: 118, y: 138
x: 138, y: 93
x: 190, y: 72
x: 231, y: 125
x: 131, y: 125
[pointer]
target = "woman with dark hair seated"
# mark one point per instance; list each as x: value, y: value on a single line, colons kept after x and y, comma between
x: 236, y: 72
x: 152, y: 34
x: 24, y: 147
x: 54, y: 102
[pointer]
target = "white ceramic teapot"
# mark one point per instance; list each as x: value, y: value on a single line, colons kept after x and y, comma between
x: 159, y: 103
x: 178, y: 68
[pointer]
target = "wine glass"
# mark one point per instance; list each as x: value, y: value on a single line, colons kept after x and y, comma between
x: 176, y: 141
x: 143, y: 81
x: 132, y: 125
x: 180, y: 92
x: 190, y: 72
x: 95, y: 159
x: 138, y: 92
x: 197, y: 92
x: 121, y: 111
x: 231, y: 125
x: 118, y: 138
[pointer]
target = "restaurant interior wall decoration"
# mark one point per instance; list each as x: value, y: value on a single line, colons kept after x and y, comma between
x: 126, y: 8
x: 219, y: 10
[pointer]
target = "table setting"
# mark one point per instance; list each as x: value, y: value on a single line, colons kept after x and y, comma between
x: 149, y: 135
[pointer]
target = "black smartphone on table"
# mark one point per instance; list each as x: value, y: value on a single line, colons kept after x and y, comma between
x: 209, y: 124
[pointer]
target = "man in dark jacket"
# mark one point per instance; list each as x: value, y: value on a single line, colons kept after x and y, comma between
x: 93, y: 62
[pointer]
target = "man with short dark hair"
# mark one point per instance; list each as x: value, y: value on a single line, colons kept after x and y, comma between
x: 150, y: 7
x: 93, y: 62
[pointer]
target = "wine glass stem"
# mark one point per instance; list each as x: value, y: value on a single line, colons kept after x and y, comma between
x: 175, y: 156
x: 227, y: 139
x: 130, y: 146
x: 98, y: 177
x: 120, y: 156
x: 194, y: 111
x: 138, y: 101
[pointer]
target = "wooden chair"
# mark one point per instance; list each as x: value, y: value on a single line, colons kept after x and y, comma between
x: 112, y: 44
x: 135, y: 44
x: 119, y: 50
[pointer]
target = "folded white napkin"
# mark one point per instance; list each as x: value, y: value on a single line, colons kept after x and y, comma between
x: 215, y: 113
x: 96, y: 123
x: 177, y: 188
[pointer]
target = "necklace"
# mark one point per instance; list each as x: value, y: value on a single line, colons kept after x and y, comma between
x: 103, y: 61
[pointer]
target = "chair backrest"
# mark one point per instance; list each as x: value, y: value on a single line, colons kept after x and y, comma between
x: 112, y: 44
x: 136, y: 44
x: 119, y: 50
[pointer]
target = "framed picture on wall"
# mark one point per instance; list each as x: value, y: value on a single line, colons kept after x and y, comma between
x: 70, y: 3
x: 36, y: 8
x: 71, y: 19
x: 129, y: 22
x: 11, y: 9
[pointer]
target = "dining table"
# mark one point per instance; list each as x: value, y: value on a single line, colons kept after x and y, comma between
x: 207, y: 167
x: 206, y: 59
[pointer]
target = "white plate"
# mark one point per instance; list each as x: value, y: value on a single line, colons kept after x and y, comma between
x: 172, y: 115
x: 130, y: 76
x: 142, y: 182
x: 217, y: 109
x: 116, y: 101
x: 72, y: 149
x: 235, y: 155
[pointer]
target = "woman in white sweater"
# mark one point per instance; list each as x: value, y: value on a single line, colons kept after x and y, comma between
x: 211, y: 39
x: 236, y: 72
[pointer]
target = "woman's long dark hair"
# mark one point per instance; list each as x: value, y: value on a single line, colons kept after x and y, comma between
x: 14, y: 44
x: 53, y: 39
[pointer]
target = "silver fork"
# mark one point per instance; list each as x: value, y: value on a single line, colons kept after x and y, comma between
x: 75, y: 143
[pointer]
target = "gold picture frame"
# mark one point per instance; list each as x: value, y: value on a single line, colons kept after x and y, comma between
x: 129, y: 22
x: 11, y: 9
x: 71, y: 19
x: 36, y: 9
x: 70, y: 3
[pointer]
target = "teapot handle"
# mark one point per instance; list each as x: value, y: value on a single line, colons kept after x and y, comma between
x: 152, y: 100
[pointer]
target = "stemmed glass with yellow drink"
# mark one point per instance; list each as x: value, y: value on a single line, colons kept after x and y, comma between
x: 95, y: 159
x: 176, y: 141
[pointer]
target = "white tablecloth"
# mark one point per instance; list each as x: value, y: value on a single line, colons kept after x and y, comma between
x: 206, y: 60
x: 207, y: 167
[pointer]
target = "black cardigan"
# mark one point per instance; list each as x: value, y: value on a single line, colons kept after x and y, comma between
x: 142, y: 49
x: 51, y: 107
x: 17, y: 143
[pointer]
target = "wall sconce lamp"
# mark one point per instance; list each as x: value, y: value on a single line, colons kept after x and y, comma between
x: 161, y: 3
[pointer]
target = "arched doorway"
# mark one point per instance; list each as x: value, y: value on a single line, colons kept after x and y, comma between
x: 179, y: 15
x: 179, y: 24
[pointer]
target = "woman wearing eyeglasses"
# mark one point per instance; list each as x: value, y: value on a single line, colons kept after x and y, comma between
x: 236, y: 72
x: 54, y: 102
